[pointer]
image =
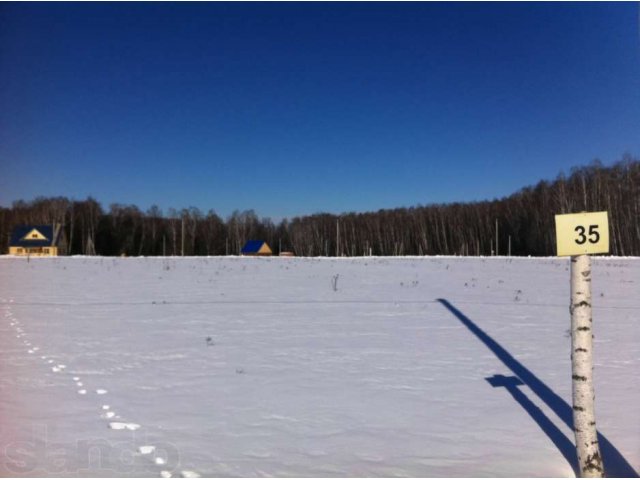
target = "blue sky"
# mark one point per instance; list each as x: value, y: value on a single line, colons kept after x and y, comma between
x: 297, y: 108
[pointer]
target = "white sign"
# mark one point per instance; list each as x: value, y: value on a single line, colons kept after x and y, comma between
x: 582, y: 233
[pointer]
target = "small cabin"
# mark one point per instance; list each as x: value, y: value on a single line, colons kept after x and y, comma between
x: 256, y: 248
x: 36, y: 240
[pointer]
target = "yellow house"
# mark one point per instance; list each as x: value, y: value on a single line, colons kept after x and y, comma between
x: 36, y: 240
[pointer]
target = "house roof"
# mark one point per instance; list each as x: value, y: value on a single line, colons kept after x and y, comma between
x: 254, y: 246
x: 21, y: 231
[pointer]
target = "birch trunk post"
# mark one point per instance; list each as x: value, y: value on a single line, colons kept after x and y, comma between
x: 584, y: 421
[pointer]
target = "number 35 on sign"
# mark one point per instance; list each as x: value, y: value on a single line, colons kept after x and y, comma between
x: 582, y: 233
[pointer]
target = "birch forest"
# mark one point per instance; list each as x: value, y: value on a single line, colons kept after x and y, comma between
x: 520, y: 224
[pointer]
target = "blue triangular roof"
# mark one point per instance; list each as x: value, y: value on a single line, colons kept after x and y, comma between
x: 252, y: 246
x: 19, y: 232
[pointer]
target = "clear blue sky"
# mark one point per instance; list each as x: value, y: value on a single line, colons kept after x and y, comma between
x: 296, y: 108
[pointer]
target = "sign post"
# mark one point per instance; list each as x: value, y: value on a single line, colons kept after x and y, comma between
x: 578, y: 235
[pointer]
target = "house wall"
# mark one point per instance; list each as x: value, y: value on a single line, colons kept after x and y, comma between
x: 34, y: 251
x: 265, y: 250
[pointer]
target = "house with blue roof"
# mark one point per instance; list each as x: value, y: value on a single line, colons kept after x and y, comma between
x: 37, y: 240
x: 256, y: 247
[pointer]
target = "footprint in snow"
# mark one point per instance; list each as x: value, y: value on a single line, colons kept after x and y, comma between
x: 189, y: 474
x: 159, y: 461
x: 79, y: 384
x: 165, y: 474
x: 108, y: 415
x: 101, y: 391
x: 123, y: 426
x: 82, y: 392
x: 146, y: 449
x: 75, y: 379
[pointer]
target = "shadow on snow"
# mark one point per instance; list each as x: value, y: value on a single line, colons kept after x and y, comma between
x: 614, y: 463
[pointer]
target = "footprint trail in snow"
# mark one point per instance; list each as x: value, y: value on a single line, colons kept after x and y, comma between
x: 107, y: 412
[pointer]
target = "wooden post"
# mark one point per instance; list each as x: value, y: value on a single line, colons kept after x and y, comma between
x: 496, y: 237
x: 584, y: 421
x: 182, y: 242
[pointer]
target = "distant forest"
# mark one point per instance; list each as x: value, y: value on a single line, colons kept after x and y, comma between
x: 524, y: 221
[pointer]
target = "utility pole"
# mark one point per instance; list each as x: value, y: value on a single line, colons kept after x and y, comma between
x: 338, y: 237
x: 496, y: 237
x: 182, y: 249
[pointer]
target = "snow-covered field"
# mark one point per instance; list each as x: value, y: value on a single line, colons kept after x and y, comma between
x: 308, y: 367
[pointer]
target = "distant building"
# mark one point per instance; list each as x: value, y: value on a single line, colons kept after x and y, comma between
x: 256, y: 247
x: 37, y: 241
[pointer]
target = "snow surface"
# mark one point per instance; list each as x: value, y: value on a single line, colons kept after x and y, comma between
x: 428, y: 367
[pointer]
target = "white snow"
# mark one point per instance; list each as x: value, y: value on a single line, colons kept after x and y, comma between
x: 428, y: 367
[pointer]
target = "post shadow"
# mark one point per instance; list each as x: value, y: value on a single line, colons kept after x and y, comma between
x: 559, y: 439
x: 614, y: 463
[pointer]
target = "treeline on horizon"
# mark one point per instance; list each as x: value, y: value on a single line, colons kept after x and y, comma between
x: 524, y: 220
